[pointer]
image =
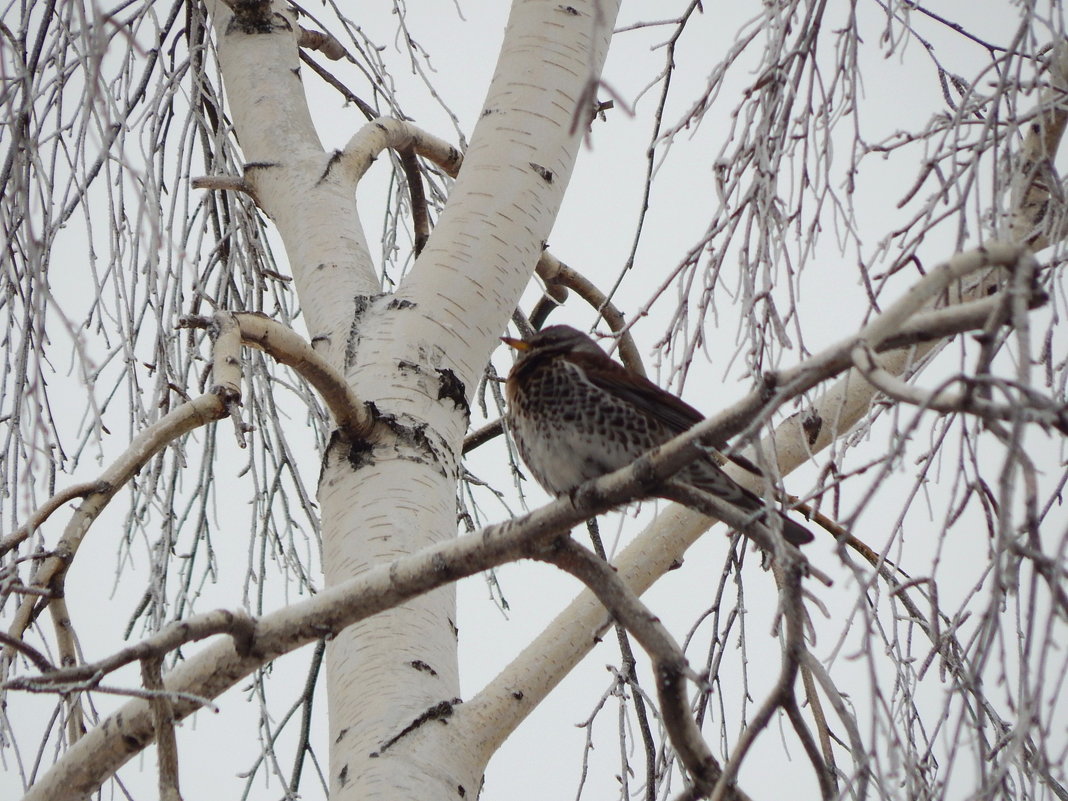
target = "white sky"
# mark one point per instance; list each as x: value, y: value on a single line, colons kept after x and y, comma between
x: 594, y: 233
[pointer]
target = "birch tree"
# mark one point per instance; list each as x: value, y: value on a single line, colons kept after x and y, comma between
x: 246, y: 425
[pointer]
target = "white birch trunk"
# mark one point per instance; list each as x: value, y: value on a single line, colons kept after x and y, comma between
x: 416, y: 355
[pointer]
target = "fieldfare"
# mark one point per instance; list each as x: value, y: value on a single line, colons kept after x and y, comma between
x: 576, y: 414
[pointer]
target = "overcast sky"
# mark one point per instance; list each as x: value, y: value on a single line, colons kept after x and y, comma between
x: 594, y: 233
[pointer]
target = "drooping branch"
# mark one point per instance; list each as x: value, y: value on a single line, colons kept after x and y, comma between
x: 280, y: 342
x: 229, y: 331
x: 354, y: 420
x: 668, y: 660
x: 163, y: 721
x: 388, y: 133
x: 782, y: 694
x: 220, y: 665
x: 289, y: 348
x: 663, y: 542
x: 844, y: 711
x: 202, y: 410
x: 238, y: 624
x: 555, y: 273
x: 45, y: 511
x: 50, y: 573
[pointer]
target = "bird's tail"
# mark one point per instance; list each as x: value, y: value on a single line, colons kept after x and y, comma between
x: 795, y: 532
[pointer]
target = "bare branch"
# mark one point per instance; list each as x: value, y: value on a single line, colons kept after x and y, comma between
x: 39, y: 660
x: 238, y: 624
x: 323, y: 42
x: 791, y: 607
x: 669, y: 662
x: 1036, y: 409
x: 384, y: 133
x: 555, y: 272
x: 41, y: 514
x: 285, y: 345
x: 163, y: 720
x: 201, y: 411
x: 420, y: 217
x: 846, y: 716
x: 225, y: 183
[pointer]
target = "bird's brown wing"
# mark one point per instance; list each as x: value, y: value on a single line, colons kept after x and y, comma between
x: 615, y: 379
x: 678, y: 416
x: 670, y: 410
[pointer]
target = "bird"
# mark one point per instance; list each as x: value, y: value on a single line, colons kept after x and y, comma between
x: 576, y: 414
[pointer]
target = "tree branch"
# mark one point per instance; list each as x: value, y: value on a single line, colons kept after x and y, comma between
x: 219, y: 666
x: 200, y: 411
x: 555, y: 273
x: 45, y: 510
x: 289, y: 348
x: 385, y: 132
x: 163, y: 721
x: 665, y: 540
x: 669, y: 662
x: 238, y: 624
x: 791, y: 607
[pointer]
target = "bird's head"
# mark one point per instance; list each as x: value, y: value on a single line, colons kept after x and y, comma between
x: 554, y: 339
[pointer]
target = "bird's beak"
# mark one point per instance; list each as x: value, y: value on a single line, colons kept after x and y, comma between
x: 518, y: 344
